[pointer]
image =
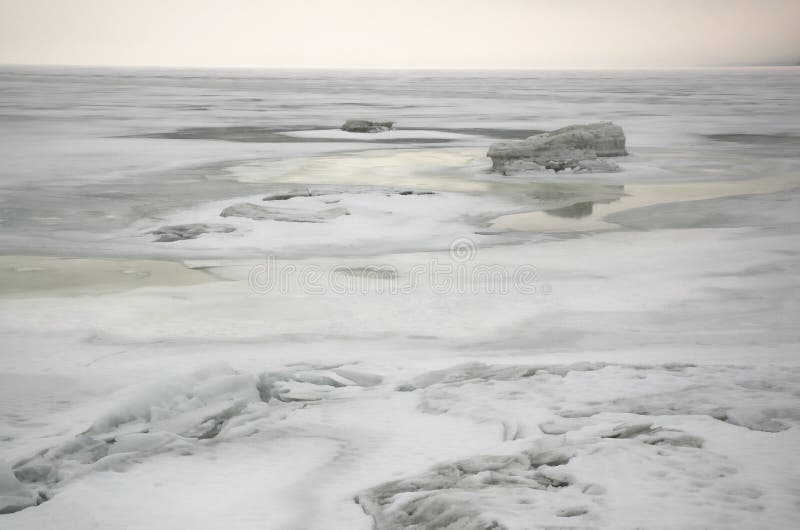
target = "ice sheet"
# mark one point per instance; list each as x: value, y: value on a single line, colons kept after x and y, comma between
x: 647, y: 378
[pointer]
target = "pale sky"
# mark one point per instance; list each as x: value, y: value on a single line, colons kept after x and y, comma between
x: 400, y: 33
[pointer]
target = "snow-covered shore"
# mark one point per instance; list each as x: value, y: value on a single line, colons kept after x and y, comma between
x: 670, y: 382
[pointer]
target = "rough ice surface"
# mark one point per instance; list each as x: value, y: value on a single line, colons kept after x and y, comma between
x: 648, y: 380
x: 167, y: 234
x: 14, y: 496
x: 575, y: 147
x: 590, y: 441
x: 366, y: 126
x: 262, y: 213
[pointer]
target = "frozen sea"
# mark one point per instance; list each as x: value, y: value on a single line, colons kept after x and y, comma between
x: 399, y: 337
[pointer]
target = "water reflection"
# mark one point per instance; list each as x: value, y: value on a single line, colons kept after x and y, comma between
x: 579, y: 209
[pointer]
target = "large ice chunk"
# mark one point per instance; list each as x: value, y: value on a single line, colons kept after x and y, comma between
x: 574, y: 147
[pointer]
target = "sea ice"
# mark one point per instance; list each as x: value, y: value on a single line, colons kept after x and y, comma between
x: 575, y: 147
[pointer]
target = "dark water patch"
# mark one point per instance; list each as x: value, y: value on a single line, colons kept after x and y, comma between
x: 569, y: 199
x: 369, y: 272
x: 762, y: 210
x: 573, y: 211
x: 245, y: 133
x: 501, y: 133
x: 265, y: 135
x: 410, y: 192
x: 228, y: 134
x: 780, y: 139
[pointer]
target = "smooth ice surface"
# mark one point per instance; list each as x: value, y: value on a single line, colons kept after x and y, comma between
x: 460, y: 349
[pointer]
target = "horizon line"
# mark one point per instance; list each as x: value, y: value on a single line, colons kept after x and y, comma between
x: 391, y: 68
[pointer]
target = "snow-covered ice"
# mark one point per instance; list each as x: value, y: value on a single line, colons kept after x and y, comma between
x: 642, y: 373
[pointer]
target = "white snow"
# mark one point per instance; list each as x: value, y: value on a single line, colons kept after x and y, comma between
x: 284, y: 415
x: 377, y: 220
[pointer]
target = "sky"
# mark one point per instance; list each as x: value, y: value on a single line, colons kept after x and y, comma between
x: 503, y: 34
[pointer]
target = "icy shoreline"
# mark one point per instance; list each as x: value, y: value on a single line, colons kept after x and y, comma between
x: 696, y: 413
x: 158, y: 385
